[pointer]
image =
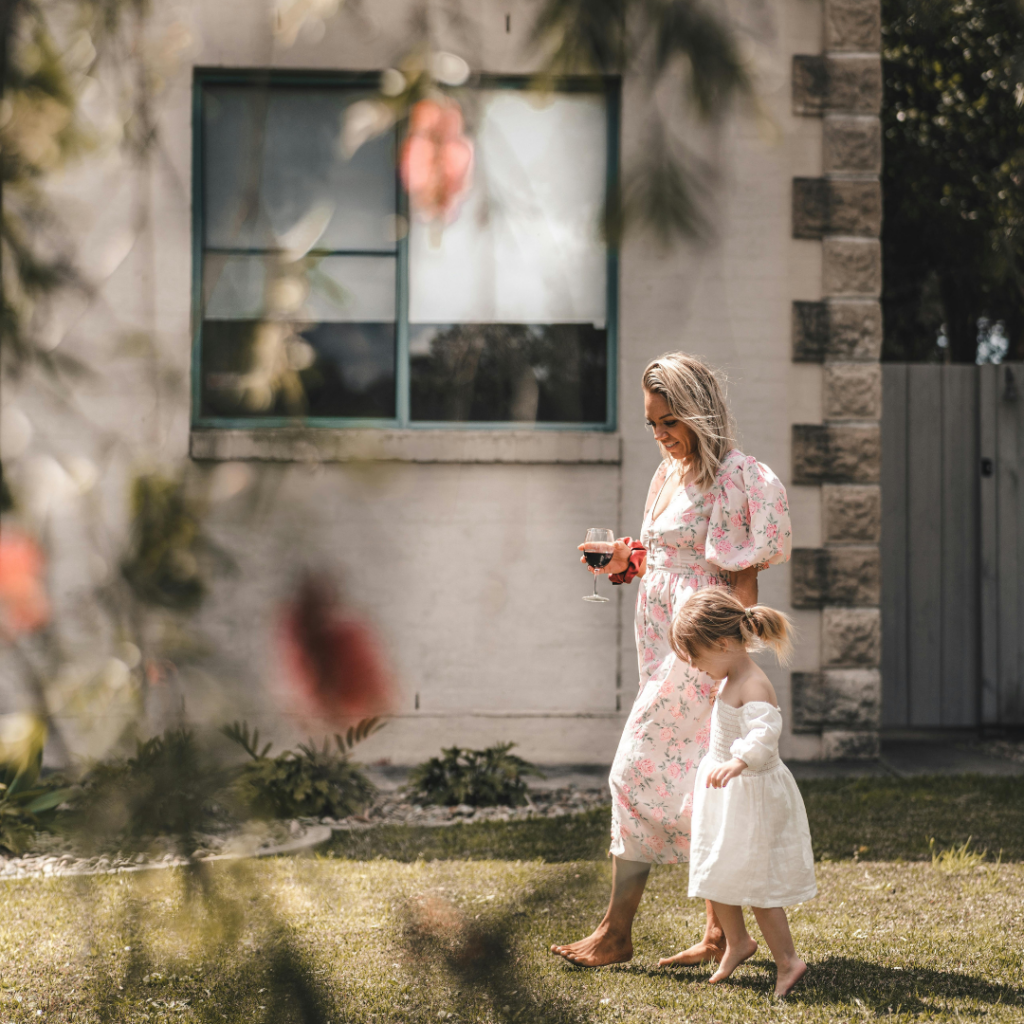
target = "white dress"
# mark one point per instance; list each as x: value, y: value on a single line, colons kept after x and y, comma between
x: 751, y: 846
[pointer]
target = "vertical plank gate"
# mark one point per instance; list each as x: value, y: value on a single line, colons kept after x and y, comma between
x: 952, y: 545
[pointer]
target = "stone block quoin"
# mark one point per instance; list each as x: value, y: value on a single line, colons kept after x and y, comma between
x: 836, y: 82
x: 827, y: 206
x: 853, y: 25
x: 853, y: 391
x: 851, y: 144
x: 836, y: 576
x: 851, y: 637
x: 838, y: 330
x: 852, y: 513
x: 846, y: 699
x: 851, y: 266
x: 836, y: 453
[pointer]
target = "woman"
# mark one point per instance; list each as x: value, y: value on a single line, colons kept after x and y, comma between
x: 714, y: 518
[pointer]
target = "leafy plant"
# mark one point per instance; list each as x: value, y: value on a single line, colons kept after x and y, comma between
x: 26, y: 804
x: 310, y: 781
x: 168, y: 788
x: 480, y: 778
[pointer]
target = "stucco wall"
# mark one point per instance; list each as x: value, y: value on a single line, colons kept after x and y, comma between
x: 469, y: 570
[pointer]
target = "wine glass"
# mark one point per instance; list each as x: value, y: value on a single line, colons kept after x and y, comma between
x: 597, y: 550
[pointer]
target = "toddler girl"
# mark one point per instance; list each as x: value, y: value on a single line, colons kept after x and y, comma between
x: 750, y: 844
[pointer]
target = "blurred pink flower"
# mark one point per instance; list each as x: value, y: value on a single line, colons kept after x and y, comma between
x: 24, y: 606
x: 332, y: 657
x: 436, y: 163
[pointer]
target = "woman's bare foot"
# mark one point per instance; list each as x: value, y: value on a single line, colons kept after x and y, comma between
x: 734, y: 956
x: 702, y: 953
x: 787, y: 979
x: 597, y: 950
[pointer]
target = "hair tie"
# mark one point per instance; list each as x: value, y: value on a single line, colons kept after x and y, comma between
x: 748, y: 615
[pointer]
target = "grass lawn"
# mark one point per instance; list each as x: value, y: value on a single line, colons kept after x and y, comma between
x: 463, y: 937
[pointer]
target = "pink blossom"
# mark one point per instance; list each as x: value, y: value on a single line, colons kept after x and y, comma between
x: 674, y: 770
x: 624, y: 832
x: 436, y: 162
x: 657, y: 844
x: 648, y: 654
x: 687, y: 808
x: 676, y: 711
x: 657, y: 813
x: 724, y: 547
x: 623, y: 799
x: 667, y: 688
x: 780, y: 506
x: 718, y: 532
x: 738, y: 519
x: 658, y: 612
x: 681, y: 842
x: 646, y: 766
x: 665, y: 734
x: 689, y: 764
x: 661, y: 789
x: 771, y: 531
x: 691, y: 692
x: 703, y: 735
x: 651, y: 635
x: 24, y: 606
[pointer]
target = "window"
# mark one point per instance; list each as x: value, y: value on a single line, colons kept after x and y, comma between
x: 318, y: 300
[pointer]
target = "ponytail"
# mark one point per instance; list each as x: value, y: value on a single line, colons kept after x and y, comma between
x: 716, y: 614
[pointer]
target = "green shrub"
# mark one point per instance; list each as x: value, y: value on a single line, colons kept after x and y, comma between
x: 169, y: 787
x: 480, y: 778
x: 309, y: 782
x: 26, y: 804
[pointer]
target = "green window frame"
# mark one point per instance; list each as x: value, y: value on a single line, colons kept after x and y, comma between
x: 609, y: 87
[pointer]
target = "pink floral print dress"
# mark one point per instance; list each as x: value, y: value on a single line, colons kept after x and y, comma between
x: 742, y: 521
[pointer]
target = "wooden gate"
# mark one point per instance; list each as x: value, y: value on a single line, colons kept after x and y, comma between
x: 952, y: 545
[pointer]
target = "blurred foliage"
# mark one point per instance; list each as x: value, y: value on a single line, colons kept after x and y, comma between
x: 953, y: 230
x: 167, y: 545
x: 479, y: 778
x: 27, y: 803
x: 317, y: 782
x: 169, y: 788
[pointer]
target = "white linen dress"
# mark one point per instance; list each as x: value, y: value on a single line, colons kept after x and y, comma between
x: 751, y: 846
x: 741, y: 521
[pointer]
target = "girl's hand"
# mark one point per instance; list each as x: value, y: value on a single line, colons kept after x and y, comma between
x: 720, y: 776
x: 620, y: 559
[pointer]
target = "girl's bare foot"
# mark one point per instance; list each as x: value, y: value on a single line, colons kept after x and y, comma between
x: 734, y: 956
x: 597, y: 950
x: 787, y: 979
x: 704, y: 951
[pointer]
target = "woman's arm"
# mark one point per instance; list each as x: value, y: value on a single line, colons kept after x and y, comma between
x: 744, y: 585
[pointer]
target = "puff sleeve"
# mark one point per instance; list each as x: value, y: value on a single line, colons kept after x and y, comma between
x: 749, y: 520
x: 762, y: 724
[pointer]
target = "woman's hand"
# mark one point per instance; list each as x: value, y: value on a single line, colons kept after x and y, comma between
x: 719, y: 777
x: 744, y: 585
x: 619, y: 562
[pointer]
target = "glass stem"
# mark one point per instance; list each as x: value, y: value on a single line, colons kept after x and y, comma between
x: 595, y: 584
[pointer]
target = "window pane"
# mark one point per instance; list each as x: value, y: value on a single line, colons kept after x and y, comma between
x: 526, y: 246
x: 273, y: 166
x: 509, y: 372
x: 311, y: 338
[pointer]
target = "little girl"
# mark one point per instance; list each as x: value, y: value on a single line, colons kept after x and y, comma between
x: 750, y: 843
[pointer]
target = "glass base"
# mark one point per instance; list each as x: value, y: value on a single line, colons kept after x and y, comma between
x: 596, y: 598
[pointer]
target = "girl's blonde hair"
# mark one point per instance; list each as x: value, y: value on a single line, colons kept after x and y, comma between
x: 716, y: 614
x: 695, y: 396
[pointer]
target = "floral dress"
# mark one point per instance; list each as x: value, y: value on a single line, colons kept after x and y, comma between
x: 741, y: 522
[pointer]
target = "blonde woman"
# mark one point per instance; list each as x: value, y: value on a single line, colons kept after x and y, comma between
x: 714, y: 518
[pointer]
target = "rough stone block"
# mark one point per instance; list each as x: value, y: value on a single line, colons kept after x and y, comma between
x: 836, y: 453
x: 852, y: 513
x: 853, y: 25
x: 852, y: 266
x: 841, y: 330
x: 852, y: 144
x: 853, y: 391
x: 831, y: 576
x: 836, y: 82
x: 823, y: 206
x: 851, y: 637
x: 850, y: 746
x: 848, y: 699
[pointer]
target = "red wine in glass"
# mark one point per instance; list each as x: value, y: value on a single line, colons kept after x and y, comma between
x: 598, y: 548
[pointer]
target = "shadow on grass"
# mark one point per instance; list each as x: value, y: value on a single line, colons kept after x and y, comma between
x: 838, y: 979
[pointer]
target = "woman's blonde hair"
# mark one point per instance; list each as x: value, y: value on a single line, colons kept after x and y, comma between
x: 695, y: 396
x: 716, y: 614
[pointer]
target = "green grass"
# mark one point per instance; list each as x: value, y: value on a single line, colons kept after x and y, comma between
x: 371, y: 932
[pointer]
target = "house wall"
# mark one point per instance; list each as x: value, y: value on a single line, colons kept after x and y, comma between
x: 460, y: 547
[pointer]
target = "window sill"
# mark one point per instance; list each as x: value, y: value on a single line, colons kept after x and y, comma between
x: 297, y: 444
